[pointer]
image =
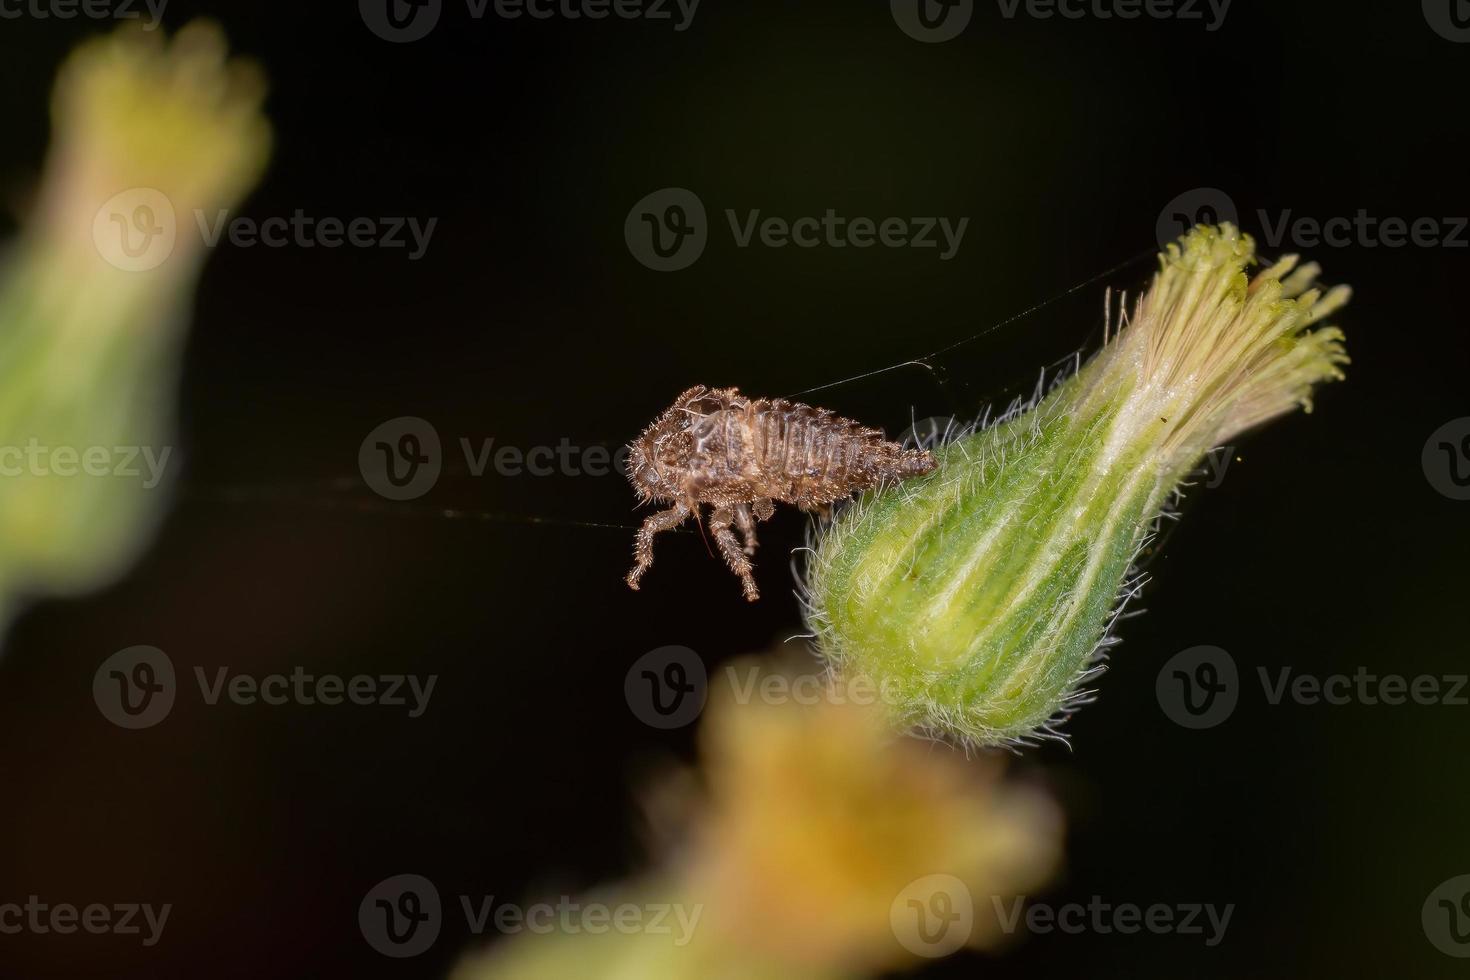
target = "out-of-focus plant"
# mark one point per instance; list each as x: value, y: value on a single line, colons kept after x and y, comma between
x: 820, y: 845
x: 95, y: 296
x: 982, y: 592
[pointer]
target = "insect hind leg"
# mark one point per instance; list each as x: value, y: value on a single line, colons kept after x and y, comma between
x: 746, y: 523
x: 719, y: 525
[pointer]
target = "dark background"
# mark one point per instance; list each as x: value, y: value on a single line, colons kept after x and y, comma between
x: 528, y: 321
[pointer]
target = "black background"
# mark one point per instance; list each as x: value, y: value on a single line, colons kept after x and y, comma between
x: 528, y: 321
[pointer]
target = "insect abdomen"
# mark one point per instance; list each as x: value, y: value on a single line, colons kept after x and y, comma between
x: 817, y: 457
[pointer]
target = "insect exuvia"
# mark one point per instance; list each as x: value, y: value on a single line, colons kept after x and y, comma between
x: 741, y: 455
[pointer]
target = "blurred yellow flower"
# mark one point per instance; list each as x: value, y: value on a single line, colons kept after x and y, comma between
x: 820, y: 818
x: 822, y: 846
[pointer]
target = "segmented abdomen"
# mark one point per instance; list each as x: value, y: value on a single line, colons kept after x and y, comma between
x: 816, y: 457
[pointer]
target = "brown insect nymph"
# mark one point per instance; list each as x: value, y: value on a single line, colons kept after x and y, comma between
x: 740, y: 455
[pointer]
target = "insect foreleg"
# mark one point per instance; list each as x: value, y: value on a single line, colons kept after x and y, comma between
x: 643, y: 542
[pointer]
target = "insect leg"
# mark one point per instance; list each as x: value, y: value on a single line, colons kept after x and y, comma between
x: 746, y: 524
x: 643, y: 542
x: 719, y: 525
x: 764, y: 509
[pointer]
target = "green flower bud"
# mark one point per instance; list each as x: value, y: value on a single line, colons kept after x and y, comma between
x: 94, y: 298
x: 980, y: 595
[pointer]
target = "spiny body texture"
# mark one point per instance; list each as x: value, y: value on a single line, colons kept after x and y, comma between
x: 981, y: 595
x: 741, y: 456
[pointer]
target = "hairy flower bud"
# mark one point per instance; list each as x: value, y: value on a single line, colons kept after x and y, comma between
x: 982, y: 593
x: 94, y: 297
